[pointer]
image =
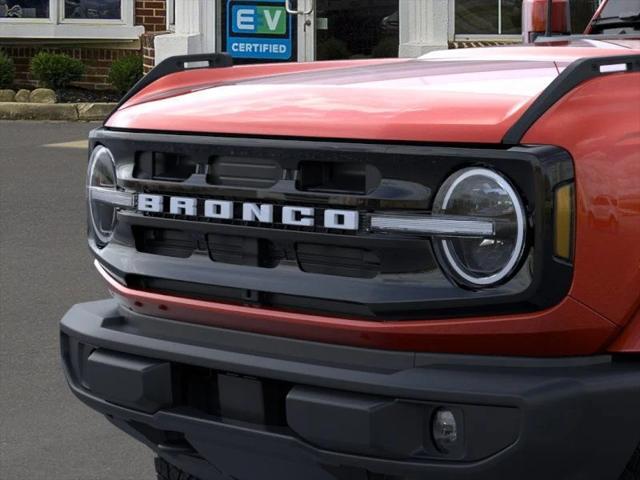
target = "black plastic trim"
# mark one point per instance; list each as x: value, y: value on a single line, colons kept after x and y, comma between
x: 574, y: 417
x: 576, y: 73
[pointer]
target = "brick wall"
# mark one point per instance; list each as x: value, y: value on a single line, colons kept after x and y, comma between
x: 152, y: 14
x: 148, y: 51
x: 149, y: 13
x: 97, y: 62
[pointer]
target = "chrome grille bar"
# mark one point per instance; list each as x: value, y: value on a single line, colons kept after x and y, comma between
x: 447, y: 226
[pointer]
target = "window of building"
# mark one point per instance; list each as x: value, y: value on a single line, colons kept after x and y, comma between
x: 504, y: 17
x: 82, y: 19
x: 24, y: 9
x: 488, y: 17
x: 93, y: 9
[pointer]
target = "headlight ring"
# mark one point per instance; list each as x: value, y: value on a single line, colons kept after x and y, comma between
x: 480, y: 193
x: 101, y: 182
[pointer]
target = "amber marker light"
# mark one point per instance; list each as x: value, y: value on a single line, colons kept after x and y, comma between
x: 564, y: 222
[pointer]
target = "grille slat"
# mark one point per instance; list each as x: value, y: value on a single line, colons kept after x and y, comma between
x: 363, y: 260
x: 243, y: 172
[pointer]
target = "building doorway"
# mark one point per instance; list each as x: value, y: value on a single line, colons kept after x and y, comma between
x: 349, y: 29
x: 257, y: 31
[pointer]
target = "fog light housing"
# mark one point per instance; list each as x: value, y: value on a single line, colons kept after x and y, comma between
x: 445, y: 430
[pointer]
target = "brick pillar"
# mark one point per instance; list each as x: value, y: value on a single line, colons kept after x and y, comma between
x: 152, y: 15
x: 148, y: 51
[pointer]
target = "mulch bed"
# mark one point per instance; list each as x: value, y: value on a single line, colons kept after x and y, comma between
x: 80, y: 95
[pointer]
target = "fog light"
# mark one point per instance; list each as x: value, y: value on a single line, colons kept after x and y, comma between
x: 445, y: 430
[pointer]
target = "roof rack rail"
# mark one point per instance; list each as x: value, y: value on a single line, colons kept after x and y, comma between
x: 178, y: 63
x: 576, y: 73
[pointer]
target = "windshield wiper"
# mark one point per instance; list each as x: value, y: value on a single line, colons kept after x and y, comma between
x: 630, y: 20
x: 634, y: 17
x: 625, y: 17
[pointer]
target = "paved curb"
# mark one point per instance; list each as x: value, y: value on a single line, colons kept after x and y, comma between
x: 58, y: 111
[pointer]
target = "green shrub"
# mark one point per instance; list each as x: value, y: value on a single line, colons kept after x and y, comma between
x: 125, y: 72
x: 7, y: 71
x: 56, y: 70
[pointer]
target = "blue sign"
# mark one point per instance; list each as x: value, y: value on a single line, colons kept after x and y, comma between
x: 259, y: 29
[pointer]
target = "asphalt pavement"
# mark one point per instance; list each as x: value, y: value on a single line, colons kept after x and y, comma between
x: 45, y: 267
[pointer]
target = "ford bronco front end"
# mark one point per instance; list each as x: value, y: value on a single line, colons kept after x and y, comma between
x: 384, y: 269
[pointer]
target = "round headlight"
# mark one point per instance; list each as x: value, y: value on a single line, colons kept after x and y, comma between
x: 101, y: 178
x: 480, y: 193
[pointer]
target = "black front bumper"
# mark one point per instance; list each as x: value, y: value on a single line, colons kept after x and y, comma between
x: 228, y: 404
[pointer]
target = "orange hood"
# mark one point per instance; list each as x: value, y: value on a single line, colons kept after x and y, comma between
x: 450, y: 96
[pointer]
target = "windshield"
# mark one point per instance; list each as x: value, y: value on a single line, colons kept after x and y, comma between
x: 615, y: 8
x: 618, y: 16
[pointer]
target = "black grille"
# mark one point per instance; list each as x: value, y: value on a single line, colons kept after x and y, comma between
x: 238, y: 250
x: 164, y: 166
x: 348, y: 177
x: 331, y: 260
x: 166, y: 242
x: 362, y: 258
x: 314, y: 269
x: 243, y: 172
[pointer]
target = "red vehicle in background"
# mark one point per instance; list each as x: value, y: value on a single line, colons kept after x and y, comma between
x: 374, y: 269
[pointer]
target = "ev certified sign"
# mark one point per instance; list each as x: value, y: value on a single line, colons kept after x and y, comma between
x: 259, y: 29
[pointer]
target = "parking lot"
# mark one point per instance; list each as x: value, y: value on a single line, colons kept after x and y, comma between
x: 45, y: 267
